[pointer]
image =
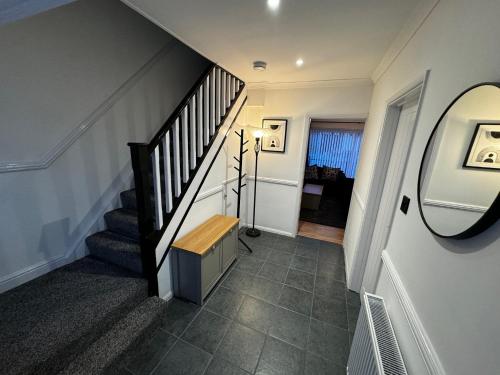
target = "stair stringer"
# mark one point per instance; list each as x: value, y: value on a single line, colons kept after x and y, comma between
x: 168, y: 237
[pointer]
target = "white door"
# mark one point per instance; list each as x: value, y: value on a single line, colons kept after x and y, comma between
x: 389, y: 202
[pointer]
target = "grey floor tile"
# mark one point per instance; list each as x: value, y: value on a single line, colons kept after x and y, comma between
x: 258, y: 251
x: 331, y: 253
x: 296, y: 300
x: 304, y: 264
x: 238, y: 281
x: 352, y: 317
x: 256, y: 314
x: 353, y: 298
x: 300, y: 280
x: 330, y: 310
x: 183, y: 359
x: 178, y: 315
x: 225, y: 302
x: 242, y: 347
x: 273, y: 272
x: 328, y: 342
x: 279, y: 358
x: 206, y: 331
x: 280, y: 258
x: 332, y: 271
x: 148, y: 354
x: 307, y: 251
x: 327, y: 287
x: 290, y: 326
x: 249, y: 264
x: 218, y: 366
x: 266, y: 290
x: 319, y: 366
x: 285, y: 244
x: 311, y: 242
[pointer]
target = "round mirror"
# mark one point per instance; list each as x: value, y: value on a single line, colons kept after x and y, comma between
x: 459, y: 179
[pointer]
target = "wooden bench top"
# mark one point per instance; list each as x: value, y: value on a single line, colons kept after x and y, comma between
x: 206, y: 235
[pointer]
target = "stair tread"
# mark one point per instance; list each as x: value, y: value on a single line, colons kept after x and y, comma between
x: 48, y: 321
x: 123, y: 221
x: 117, y: 249
x: 112, y: 346
x: 114, y: 241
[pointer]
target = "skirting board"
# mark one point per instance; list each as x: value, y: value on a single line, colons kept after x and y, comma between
x: 275, y: 231
x: 427, y: 351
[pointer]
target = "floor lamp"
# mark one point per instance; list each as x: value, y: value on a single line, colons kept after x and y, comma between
x: 253, y: 232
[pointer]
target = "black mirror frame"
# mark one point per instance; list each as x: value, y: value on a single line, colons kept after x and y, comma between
x: 491, y: 215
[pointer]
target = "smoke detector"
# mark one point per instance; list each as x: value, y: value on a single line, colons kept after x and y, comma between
x: 259, y: 66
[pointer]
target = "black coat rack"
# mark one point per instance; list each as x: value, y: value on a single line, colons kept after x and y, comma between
x: 240, y: 178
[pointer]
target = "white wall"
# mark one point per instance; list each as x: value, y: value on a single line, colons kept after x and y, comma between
x: 47, y: 213
x: 452, y: 285
x: 279, y: 191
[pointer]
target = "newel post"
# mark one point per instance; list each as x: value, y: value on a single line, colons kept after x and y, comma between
x: 141, y: 165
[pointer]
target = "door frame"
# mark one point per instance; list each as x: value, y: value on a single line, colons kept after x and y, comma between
x: 363, y: 274
x: 303, y: 152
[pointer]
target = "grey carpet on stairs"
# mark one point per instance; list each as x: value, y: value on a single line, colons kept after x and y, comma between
x: 47, y: 323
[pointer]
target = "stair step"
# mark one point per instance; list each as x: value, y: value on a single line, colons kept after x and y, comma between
x: 116, y: 249
x: 112, y: 347
x: 128, y: 199
x: 123, y: 221
x: 46, y: 323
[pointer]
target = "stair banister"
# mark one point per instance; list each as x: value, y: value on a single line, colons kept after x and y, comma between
x: 181, y: 144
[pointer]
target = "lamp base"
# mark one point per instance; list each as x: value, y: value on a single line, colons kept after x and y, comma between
x: 252, y: 232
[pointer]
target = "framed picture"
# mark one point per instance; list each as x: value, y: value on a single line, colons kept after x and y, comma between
x: 275, y: 138
x: 484, y: 148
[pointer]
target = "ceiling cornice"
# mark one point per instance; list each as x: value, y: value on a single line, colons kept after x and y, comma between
x: 348, y: 82
x: 418, y: 18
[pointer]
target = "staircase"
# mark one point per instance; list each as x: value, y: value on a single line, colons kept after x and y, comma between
x: 82, y: 318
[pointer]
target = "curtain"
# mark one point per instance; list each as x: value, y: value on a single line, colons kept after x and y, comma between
x: 335, y: 148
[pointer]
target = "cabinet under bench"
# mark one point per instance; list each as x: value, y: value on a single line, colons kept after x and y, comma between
x: 201, y: 257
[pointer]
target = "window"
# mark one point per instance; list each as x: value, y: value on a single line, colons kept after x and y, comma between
x: 335, y: 148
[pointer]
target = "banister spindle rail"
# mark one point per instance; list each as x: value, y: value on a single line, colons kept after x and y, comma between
x: 165, y: 167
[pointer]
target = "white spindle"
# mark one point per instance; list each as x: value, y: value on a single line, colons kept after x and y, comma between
x: 217, y: 97
x: 213, y: 93
x: 167, y: 172
x: 192, y: 132
x: 206, y: 111
x: 233, y: 85
x: 185, y: 145
x: 223, y: 95
x: 228, y: 90
x: 157, y: 188
x: 177, y: 160
x: 199, y: 120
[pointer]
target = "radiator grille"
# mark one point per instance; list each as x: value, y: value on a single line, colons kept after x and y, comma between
x: 375, y: 350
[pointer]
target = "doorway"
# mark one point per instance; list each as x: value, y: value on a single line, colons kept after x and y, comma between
x: 384, y: 193
x: 330, y: 167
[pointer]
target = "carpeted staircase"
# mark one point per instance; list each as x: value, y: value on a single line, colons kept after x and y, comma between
x: 83, y: 317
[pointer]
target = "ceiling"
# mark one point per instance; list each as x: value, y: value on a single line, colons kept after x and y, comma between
x: 337, y: 39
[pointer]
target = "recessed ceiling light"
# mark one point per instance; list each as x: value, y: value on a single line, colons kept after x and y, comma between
x: 259, y: 65
x: 273, y: 4
x: 299, y: 62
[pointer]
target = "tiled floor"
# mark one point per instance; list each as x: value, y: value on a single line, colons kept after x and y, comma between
x: 282, y: 310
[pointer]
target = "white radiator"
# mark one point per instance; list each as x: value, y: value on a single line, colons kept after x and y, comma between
x: 374, y: 349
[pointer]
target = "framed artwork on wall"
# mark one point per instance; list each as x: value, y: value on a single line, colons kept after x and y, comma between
x: 484, y: 149
x: 274, y: 139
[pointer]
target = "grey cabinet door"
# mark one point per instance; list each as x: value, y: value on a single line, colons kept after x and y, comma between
x: 229, y: 248
x: 210, y: 269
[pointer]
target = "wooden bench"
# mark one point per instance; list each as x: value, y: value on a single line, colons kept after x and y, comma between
x: 201, y: 257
